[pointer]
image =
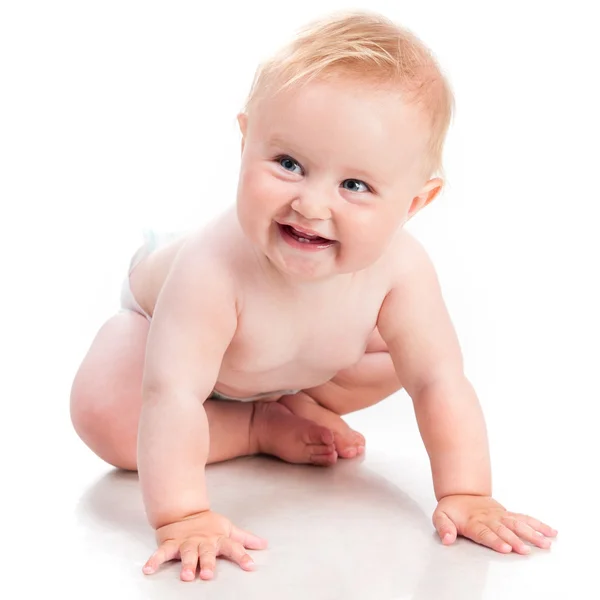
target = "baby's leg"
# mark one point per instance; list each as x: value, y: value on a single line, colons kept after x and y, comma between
x: 106, y: 402
x: 369, y: 381
x: 348, y: 443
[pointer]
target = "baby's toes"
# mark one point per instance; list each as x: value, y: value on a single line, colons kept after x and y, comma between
x: 349, y: 444
x: 320, y: 435
x: 360, y: 441
x: 320, y: 446
x: 323, y: 456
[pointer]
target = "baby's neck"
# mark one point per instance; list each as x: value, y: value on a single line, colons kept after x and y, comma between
x: 299, y: 286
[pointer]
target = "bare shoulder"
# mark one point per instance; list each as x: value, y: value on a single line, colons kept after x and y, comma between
x: 203, y: 266
x: 415, y: 323
x: 413, y: 277
x: 408, y: 262
x: 197, y: 262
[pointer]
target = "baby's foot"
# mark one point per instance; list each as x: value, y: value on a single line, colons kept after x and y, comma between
x: 348, y: 443
x: 277, y: 431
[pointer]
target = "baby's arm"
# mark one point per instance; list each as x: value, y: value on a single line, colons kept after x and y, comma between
x: 424, y: 347
x: 194, y: 321
x: 423, y: 344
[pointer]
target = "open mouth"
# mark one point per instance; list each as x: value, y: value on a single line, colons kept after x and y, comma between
x: 300, y: 238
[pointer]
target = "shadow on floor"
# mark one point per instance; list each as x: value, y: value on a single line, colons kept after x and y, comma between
x: 343, y: 532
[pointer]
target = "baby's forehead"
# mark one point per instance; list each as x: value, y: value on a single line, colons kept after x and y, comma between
x: 348, y: 103
x: 323, y: 120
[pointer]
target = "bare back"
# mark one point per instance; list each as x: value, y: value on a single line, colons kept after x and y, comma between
x: 287, y: 337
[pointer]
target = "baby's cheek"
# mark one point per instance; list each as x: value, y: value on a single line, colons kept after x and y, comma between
x: 257, y: 189
x: 247, y: 184
x: 370, y: 244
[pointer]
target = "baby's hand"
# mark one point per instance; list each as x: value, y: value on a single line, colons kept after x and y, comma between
x: 485, y: 521
x: 200, y: 539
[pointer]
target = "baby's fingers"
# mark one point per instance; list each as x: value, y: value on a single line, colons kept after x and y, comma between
x: 208, y: 561
x: 445, y: 527
x: 537, y: 525
x: 189, y: 561
x: 236, y: 552
x: 479, y: 532
x: 167, y: 551
x: 511, y: 537
x: 247, y: 539
x: 525, y: 531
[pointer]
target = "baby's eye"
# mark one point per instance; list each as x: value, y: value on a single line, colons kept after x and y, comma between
x: 289, y: 163
x: 354, y: 185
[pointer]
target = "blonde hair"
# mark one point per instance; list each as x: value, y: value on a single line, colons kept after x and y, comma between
x: 372, y: 48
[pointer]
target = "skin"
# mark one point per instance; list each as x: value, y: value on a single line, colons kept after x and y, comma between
x: 236, y: 308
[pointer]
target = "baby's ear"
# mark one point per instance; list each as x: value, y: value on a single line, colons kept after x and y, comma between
x: 428, y: 192
x: 242, y: 119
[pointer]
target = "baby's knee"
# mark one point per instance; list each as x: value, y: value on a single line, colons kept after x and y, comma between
x: 90, y: 417
x: 86, y: 410
x: 99, y: 425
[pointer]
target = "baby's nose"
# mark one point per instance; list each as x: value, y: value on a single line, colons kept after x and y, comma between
x: 312, y: 207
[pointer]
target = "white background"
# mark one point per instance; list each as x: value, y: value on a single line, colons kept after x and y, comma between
x: 116, y: 116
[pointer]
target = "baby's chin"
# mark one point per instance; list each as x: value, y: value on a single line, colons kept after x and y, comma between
x: 317, y: 272
x: 295, y: 269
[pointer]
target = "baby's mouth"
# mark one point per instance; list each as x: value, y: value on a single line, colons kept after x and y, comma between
x: 305, y: 238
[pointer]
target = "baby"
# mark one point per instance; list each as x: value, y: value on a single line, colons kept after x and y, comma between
x: 305, y: 301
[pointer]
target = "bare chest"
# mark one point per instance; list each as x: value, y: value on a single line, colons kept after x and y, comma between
x: 298, y: 344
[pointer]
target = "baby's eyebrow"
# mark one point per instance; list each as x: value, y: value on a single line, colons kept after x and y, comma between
x: 362, y: 174
x: 277, y: 140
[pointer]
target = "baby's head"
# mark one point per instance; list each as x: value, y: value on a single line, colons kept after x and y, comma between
x: 343, y: 134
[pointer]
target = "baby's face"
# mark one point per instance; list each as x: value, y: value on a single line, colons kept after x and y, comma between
x: 335, y: 160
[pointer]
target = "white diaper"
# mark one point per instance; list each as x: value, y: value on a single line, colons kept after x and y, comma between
x: 152, y: 241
